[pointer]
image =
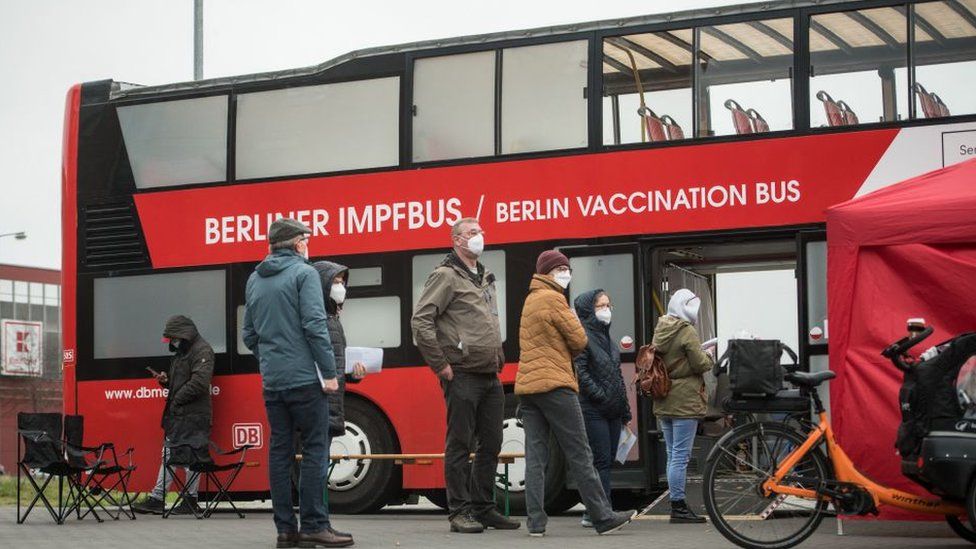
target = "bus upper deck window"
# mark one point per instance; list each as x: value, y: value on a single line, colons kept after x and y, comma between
x: 944, y: 59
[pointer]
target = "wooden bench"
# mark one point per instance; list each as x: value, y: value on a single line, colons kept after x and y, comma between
x: 505, y: 459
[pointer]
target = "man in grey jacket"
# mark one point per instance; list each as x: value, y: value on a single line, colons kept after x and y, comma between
x: 285, y: 327
x: 455, y: 325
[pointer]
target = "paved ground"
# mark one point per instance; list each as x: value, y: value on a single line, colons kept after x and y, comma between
x: 418, y: 527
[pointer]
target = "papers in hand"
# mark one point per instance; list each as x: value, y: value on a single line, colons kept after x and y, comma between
x: 627, y: 441
x: 371, y: 357
x: 709, y: 344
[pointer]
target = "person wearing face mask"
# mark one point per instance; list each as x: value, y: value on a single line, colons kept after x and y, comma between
x: 286, y: 327
x: 676, y: 338
x: 550, y: 335
x: 455, y: 325
x: 187, y: 412
x: 602, y: 392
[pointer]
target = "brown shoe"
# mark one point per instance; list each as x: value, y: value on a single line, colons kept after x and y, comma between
x: 287, y: 539
x: 325, y: 538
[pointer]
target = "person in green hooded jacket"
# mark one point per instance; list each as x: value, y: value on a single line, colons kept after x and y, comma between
x: 676, y: 338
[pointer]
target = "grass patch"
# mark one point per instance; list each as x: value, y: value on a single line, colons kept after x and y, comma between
x: 8, y: 490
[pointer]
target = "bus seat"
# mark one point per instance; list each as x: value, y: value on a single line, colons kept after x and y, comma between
x: 850, y: 117
x: 674, y: 130
x: 929, y: 107
x: 943, y: 109
x: 834, y: 115
x: 655, y: 127
x: 759, y: 124
x: 740, y: 119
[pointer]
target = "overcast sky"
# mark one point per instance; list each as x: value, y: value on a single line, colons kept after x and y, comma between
x: 48, y: 45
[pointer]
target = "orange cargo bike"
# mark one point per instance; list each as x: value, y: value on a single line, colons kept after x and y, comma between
x: 769, y: 484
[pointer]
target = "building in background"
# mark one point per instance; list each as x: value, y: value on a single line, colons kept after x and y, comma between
x: 30, y: 350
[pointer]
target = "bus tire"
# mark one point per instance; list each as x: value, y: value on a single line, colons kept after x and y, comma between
x: 365, y: 486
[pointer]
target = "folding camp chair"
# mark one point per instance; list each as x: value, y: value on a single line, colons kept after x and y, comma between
x: 107, y: 477
x: 45, y: 453
x: 199, y: 462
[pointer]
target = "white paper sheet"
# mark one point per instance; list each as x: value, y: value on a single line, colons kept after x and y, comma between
x: 627, y: 441
x: 710, y: 343
x: 371, y: 357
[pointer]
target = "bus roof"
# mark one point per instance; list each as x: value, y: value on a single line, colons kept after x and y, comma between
x: 127, y: 90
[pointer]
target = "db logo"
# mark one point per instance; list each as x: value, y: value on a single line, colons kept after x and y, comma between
x: 68, y: 355
x: 248, y: 433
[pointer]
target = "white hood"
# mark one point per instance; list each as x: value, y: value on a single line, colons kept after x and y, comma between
x: 684, y: 304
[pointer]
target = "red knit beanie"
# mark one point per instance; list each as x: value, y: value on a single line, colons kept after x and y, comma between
x: 549, y: 260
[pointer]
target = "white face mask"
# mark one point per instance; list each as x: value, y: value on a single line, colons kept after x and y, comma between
x: 338, y: 293
x: 476, y: 244
x: 603, y: 315
x: 563, y: 278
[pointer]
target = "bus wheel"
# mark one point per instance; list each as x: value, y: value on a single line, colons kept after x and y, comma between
x: 363, y: 486
x: 558, y: 497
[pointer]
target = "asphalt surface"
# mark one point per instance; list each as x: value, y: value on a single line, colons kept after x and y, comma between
x: 421, y: 526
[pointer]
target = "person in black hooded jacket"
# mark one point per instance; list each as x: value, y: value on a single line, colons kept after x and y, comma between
x: 335, y: 279
x: 602, y: 393
x: 187, y: 414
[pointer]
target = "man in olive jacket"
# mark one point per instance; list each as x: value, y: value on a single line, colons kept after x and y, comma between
x: 455, y: 325
x: 187, y: 414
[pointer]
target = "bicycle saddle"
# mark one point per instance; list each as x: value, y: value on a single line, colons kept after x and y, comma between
x: 808, y: 379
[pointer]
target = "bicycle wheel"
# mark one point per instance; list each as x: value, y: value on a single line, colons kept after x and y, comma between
x: 734, y: 472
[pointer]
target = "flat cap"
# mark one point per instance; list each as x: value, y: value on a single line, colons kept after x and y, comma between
x: 285, y: 229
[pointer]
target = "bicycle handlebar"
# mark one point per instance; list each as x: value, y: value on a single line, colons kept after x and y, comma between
x: 897, y: 351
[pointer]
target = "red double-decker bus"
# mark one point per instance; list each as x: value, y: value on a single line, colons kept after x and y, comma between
x: 694, y: 149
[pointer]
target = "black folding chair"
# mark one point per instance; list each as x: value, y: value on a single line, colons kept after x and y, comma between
x: 107, y: 483
x: 200, y: 463
x: 44, y: 453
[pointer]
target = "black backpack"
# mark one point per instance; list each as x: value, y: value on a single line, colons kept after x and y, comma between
x: 928, y: 398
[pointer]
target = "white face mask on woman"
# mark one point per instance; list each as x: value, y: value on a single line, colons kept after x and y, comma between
x: 603, y: 315
x: 563, y: 278
x: 338, y: 293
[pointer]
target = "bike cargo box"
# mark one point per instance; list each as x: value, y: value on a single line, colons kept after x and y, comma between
x: 945, y: 465
x: 787, y: 400
x: 754, y: 366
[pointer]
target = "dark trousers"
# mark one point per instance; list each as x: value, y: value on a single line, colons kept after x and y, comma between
x: 604, y: 437
x: 305, y: 409
x: 558, y: 412
x: 475, y: 412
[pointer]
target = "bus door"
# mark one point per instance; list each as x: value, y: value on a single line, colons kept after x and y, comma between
x: 748, y: 288
x: 617, y: 270
x: 814, y: 329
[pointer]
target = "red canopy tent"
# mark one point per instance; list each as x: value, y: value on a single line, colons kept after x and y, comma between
x: 908, y: 250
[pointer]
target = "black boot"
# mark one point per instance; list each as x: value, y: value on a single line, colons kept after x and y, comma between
x: 682, y: 514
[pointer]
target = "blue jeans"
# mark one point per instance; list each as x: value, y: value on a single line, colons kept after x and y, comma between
x: 604, y: 437
x: 679, y: 438
x: 305, y: 409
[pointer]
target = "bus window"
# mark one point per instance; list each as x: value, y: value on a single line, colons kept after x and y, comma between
x: 454, y: 106
x: 858, y: 67
x: 816, y: 267
x: 544, y: 97
x: 365, y: 276
x: 130, y: 311
x: 493, y: 260
x: 615, y: 274
x: 176, y: 142
x: 745, y: 82
x: 663, y: 62
x: 372, y: 321
x: 944, y: 59
x: 314, y: 129
x: 241, y: 346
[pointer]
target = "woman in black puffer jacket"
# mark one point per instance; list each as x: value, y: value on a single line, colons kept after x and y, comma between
x: 334, y: 278
x: 602, y: 394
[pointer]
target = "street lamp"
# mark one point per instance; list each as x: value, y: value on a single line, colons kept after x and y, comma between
x: 19, y: 235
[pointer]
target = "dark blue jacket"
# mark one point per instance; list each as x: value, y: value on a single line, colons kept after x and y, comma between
x: 285, y: 323
x: 601, y: 385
